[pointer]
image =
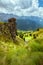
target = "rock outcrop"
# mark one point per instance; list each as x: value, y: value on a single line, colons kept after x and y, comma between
x: 8, y: 30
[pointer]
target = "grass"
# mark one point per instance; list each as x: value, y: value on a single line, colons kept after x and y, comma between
x: 11, y: 54
x: 20, y: 53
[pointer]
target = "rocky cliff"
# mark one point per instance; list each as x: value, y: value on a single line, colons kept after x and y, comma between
x: 8, y: 30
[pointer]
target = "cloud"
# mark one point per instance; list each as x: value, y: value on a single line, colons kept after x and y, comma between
x: 21, y: 7
x: 15, y: 3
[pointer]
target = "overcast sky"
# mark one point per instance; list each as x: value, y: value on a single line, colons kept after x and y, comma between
x: 22, y: 7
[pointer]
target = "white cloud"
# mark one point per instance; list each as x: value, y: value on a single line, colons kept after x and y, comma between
x: 21, y: 7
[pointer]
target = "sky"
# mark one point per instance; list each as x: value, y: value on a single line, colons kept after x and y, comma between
x: 22, y: 7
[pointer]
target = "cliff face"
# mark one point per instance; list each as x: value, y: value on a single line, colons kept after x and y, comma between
x: 8, y: 30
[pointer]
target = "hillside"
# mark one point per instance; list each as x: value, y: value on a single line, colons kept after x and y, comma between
x: 20, y: 53
x: 27, y: 50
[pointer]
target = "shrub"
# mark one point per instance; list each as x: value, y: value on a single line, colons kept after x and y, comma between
x: 38, y: 29
x: 34, y: 36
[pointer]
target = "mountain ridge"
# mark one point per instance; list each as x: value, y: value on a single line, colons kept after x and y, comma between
x: 24, y: 22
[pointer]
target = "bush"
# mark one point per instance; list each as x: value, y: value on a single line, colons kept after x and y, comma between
x: 38, y: 29
x: 34, y: 36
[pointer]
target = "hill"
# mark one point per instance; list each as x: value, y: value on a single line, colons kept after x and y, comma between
x: 30, y: 53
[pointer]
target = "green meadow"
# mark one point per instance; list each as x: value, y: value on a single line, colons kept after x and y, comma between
x: 27, y: 50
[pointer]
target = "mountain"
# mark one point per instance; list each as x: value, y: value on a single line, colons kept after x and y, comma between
x: 4, y: 17
x: 24, y: 22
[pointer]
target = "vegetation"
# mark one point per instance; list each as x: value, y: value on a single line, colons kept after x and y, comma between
x: 27, y: 50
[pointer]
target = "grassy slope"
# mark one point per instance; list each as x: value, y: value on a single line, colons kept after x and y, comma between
x: 21, y: 53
